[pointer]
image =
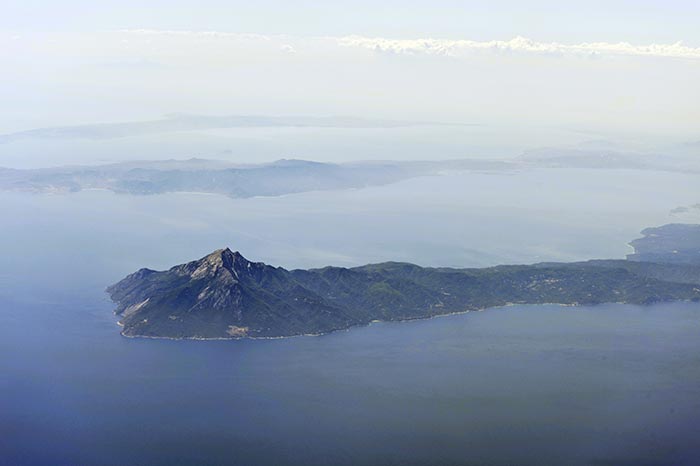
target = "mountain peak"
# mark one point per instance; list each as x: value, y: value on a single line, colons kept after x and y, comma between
x: 233, y: 261
x: 221, y: 259
x: 224, y: 255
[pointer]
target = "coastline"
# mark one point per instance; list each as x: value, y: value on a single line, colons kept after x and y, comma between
x: 354, y: 327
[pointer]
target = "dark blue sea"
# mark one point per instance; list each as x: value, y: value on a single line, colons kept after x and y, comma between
x: 610, y: 384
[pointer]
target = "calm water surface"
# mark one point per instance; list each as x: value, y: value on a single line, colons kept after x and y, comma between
x: 525, y: 384
x: 611, y: 384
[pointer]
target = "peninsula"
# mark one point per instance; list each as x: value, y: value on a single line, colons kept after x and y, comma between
x: 224, y: 295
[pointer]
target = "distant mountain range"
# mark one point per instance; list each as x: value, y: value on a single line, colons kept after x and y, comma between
x: 198, y: 175
x: 295, y: 176
x: 224, y: 295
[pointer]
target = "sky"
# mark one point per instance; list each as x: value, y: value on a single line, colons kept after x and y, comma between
x: 614, y: 68
x: 590, y: 20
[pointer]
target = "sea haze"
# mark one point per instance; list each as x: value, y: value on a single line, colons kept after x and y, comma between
x: 522, y: 384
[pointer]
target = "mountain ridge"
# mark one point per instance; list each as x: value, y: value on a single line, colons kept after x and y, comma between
x: 224, y: 295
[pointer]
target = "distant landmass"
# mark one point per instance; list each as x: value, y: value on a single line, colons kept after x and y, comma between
x: 288, y: 176
x: 606, y: 158
x: 224, y: 295
x: 675, y: 243
x: 184, y: 122
x: 218, y: 177
x: 694, y: 208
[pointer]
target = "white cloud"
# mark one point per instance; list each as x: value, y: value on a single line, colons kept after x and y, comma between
x: 455, y: 48
x: 443, y: 47
x: 288, y: 48
x: 136, y: 74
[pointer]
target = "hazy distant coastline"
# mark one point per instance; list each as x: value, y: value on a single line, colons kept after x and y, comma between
x: 233, y: 180
x: 183, y: 122
x: 289, y: 176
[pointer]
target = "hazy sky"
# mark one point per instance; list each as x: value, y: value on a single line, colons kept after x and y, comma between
x: 617, y: 67
x: 546, y: 20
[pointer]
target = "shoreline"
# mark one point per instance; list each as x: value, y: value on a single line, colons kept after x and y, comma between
x: 353, y: 327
